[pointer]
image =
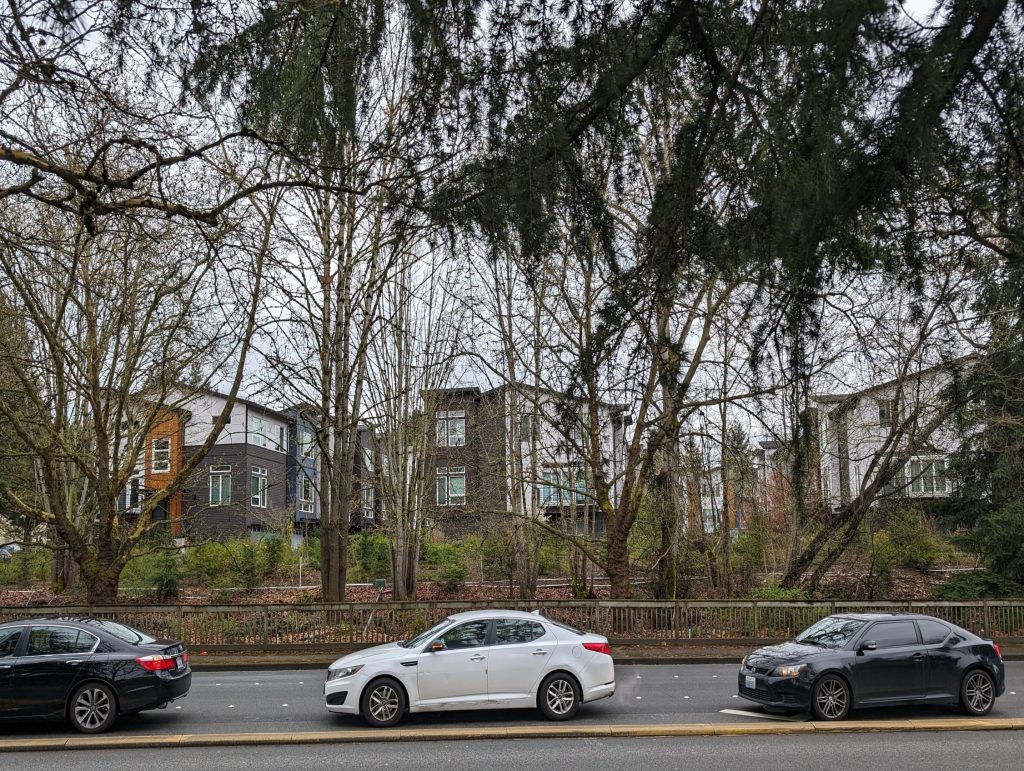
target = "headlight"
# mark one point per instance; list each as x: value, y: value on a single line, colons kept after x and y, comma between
x: 744, y: 662
x: 794, y: 670
x: 337, y: 674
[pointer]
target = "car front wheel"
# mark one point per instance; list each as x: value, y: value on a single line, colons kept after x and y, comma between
x: 831, y: 699
x: 93, y: 708
x: 383, y: 703
x: 977, y: 693
x: 559, y: 697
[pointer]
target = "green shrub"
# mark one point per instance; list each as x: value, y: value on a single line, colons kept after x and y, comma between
x: 498, y: 557
x: 884, y: 560
x: 979, y: 585
x: 916, y: 543
x: 275, y: 554
x: 444, y: 562
x: 772, y: 591
x: 209, y: 564
x: 168, y: 579
x: 371, y: 555
x: 249, y: 563
x: 25, y: 568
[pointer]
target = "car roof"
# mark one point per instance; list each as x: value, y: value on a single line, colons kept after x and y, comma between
x: 471, y: 615
x: 78, y: 622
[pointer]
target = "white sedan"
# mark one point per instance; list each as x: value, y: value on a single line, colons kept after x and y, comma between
x: 490, y: 659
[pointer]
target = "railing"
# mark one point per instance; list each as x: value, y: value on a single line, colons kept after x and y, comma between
x: 355, y: 624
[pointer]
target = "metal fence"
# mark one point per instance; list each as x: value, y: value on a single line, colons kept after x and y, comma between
x: 355, y: 624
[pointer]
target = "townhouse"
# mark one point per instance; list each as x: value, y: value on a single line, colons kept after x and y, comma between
x: 507, y: 451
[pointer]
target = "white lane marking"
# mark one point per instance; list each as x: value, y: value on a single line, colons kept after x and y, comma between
x: 735, y: 696
x: 1013, y: 693
x: 177, y: 707
x: 284, y: 705
x: 256, y: 683
x: 675, y: 677
x: 762, y: 715
x: 231, y: 706
x: 686, y: 697
x: 301, y: 683
x: 714, y: 675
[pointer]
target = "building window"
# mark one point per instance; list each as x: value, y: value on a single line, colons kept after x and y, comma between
x: 928, y: 476
x: 367, y: 496
x: 451, y: 486
x: 162, y: 455
x: 220, y: 485
x: 258, y: 487
x: 280, y: 439
x: 305, y: 443
x: 528, y: 425
x: 562, y: 487
x: 257, y: 431
x: 886, y: 412
x: 131, y: 496
x: 306, y: 495
x: 451, y: 428
x: 368, y: 463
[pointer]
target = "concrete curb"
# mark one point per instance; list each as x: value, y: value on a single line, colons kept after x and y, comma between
x: 510, y: 732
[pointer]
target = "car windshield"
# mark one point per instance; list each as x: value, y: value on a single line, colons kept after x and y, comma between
x: 422, y: 637
x: 831, y: 632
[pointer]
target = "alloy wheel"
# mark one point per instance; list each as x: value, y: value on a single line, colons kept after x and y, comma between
x: 832, y: 698
x: 384, y: 703
x: 92, y: 708
x: 978, y: 692
x: 560, y: 696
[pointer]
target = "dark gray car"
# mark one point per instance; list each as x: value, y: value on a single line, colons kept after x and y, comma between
x: 855, y: 660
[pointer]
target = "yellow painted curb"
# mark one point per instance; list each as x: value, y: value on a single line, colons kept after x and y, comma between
x: 507, y: 732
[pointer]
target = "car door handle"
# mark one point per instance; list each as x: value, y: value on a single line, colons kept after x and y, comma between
x: 73, y: 662
x: 918, y: 657
x: 5, y: 666
x: 539, y: 652
x: 477, y: 657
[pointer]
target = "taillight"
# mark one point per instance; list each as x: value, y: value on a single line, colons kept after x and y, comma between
x: 604, y: 648
x: 156, y: 662
x: 998, y: 654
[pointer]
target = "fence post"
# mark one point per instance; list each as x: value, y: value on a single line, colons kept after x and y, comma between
x: 987, y: 617
x: 757, y: 623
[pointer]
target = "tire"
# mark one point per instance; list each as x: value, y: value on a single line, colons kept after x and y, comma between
x: 383, y: 703
x: 830, y: 699
x: 559, y: 697
x: 977, y: 692
x: 92, y: 708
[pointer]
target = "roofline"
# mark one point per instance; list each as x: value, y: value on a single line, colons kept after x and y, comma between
x: 851, y: 397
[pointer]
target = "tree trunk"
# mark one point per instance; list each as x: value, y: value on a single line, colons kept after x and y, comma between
x: 618, y: 564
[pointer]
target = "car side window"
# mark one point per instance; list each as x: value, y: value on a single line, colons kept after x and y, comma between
x: 932, y: 632
x: 54, y: 640
x: 470, y: 635
x: 9, y: 641
x: 893, y: 634
x: 508, y: 631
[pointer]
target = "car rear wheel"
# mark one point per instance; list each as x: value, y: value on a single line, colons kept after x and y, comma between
x: 93, y: 708
x: 831, y: 700
x: 559, y: 697
x: 383, y: 703
x: 977, y: 692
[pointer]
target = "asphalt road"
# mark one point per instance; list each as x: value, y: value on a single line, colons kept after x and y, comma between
x: 292, y: 701
x: 850, y: 752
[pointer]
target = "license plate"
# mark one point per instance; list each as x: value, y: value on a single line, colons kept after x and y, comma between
x: 178, y: 662
x: 751, y: 682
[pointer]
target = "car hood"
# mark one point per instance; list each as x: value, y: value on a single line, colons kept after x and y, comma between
x: 785, y: 653
x: 388, y: 650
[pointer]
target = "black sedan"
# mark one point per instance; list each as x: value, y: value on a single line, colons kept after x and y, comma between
x: 88, y: 671
x: 855, y: 660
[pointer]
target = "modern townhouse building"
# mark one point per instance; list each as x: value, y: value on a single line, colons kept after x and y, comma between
x: 242, y: 483
x: 855, y: 430
x: 505, y: 452
x: 262, y: 473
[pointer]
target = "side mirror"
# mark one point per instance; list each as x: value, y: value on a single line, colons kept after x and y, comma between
x: 437, y: 645
x: 868, y: 645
